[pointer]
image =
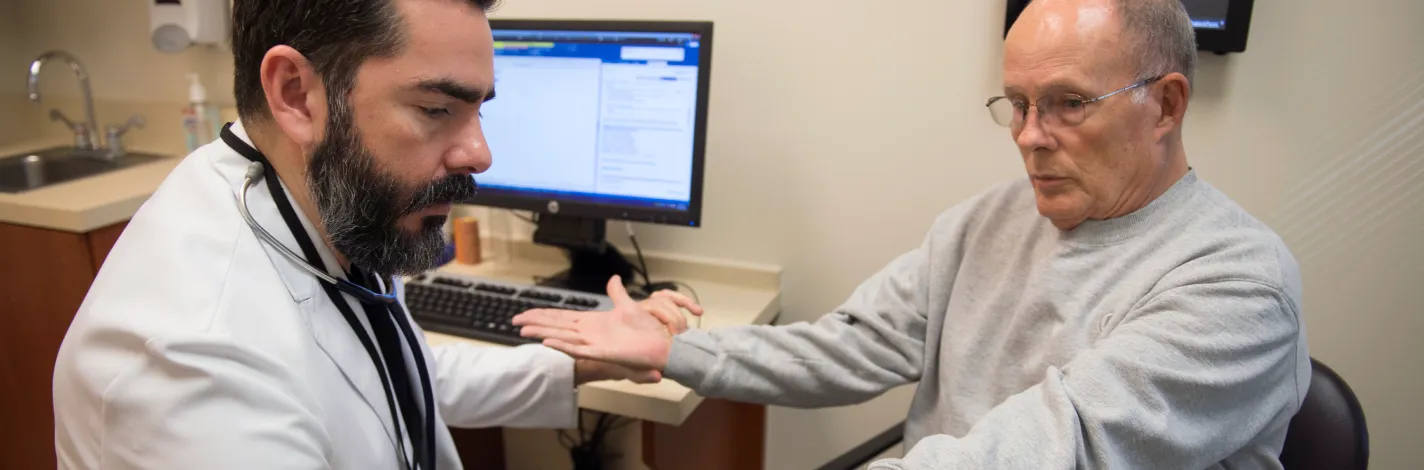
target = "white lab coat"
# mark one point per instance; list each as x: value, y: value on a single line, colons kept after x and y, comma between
x: 199, y: 347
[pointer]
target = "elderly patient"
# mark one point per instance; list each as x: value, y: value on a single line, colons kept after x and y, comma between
x: 1112, y: 310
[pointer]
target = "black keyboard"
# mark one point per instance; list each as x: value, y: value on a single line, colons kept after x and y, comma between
x: 482, y: 309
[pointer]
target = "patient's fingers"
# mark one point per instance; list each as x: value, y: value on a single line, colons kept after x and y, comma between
x: 680, y: 300
x: 668, y: 313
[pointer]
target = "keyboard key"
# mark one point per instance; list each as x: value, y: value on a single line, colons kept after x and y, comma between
x: 453, y: 282
x: 581, y: 302
x: 547, y: 296
x: 493, y: 289
x: 441, y: 319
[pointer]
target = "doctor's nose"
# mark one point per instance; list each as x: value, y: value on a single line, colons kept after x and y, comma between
x: 470, y: 152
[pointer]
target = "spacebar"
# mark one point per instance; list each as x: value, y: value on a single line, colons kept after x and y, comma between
x: 428, y: 317
x: 473, y: 333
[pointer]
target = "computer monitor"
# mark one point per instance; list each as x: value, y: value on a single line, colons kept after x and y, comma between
x: 1221, y: 25
x: 597, y: 120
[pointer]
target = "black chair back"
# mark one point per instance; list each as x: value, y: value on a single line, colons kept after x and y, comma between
x: 1328, y: 433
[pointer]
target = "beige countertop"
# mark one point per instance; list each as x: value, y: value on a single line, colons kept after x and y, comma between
x: 85, y: 204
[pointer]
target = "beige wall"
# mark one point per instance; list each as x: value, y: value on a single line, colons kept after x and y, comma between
x: 814, y: 137
x: 111, y: 38
x: 12, y: 82
x: 10, y: 60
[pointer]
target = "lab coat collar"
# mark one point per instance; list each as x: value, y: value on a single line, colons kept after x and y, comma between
x: 327, y: 326
x: 299, y: 283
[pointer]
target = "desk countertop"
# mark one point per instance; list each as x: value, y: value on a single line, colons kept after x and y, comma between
x: 85, y: 204
x: 732, y: 294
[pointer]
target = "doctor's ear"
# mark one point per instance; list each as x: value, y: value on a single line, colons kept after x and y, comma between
x: 295, y: 94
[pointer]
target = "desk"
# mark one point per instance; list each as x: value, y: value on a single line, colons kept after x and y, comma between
x: 718, y: 431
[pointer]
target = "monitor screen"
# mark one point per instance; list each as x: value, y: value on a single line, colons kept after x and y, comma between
x: 1207, y: 14
x: 596, y: 119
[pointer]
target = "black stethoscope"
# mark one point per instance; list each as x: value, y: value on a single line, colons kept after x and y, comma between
x: 386, y: 301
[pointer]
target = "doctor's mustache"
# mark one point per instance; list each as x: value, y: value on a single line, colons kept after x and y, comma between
x: 453, y: 189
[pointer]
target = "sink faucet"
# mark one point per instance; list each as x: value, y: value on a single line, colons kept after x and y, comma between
x: 86, y: 134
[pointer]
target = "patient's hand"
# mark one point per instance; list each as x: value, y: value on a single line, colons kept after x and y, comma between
x: 634, y: 335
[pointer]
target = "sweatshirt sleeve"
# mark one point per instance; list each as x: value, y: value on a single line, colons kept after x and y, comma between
x: 1185, y: 380
x: 872, y: 343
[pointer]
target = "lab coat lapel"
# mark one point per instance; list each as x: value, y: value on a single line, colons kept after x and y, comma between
x: 327, y: 325
x: 340, y: 344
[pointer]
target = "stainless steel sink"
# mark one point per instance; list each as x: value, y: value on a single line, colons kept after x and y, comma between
x: 26, y: 171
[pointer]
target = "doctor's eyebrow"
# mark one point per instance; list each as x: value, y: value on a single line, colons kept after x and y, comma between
x: 456, y: 90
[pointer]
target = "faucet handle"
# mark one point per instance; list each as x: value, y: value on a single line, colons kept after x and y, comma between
x: 57, y: 115
x: 116, y: 134
x: 80, y: 129
x: 134, y: 121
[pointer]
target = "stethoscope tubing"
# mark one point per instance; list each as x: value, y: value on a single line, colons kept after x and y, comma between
x: 255, y: 172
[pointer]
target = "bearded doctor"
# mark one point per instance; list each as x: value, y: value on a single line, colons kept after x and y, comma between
x: 249, y: 316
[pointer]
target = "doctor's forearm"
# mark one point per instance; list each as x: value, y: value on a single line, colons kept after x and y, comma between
x: 526, y: 386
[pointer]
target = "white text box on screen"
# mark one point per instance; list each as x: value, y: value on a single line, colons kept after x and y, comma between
x: 670, y: 54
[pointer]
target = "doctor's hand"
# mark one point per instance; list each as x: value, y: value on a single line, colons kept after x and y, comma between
x: 633, y: 335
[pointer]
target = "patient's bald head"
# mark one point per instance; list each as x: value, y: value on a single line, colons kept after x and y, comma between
x: 1120, y: 152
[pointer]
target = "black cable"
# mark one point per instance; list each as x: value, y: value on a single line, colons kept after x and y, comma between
x: 583, y: 438
x: 619, y: 423
x: 589, y: 451
x: 647, y: 282
x: 600, y: 429
x: 532, y: 220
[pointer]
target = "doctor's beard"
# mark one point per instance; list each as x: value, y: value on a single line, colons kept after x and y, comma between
x: 361, y: 207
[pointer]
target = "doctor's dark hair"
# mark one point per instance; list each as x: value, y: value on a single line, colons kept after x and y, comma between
x: 337, y: 36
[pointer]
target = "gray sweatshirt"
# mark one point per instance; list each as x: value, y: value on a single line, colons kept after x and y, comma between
x: 1167, y: 338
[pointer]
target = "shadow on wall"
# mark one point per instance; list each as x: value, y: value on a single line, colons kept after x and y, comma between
x: 1379, y: 141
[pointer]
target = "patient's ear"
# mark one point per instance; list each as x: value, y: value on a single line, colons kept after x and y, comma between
x: 1174, y: 91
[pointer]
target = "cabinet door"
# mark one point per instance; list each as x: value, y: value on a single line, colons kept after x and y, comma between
x: 44, y: 275
x: 103, y: 240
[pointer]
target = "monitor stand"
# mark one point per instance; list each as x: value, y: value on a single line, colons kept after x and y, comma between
x: 592, y: 259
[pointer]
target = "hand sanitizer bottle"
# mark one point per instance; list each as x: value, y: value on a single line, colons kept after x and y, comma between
x: 200, y: 118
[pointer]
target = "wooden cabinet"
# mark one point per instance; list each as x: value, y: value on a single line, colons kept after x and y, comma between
x: 719, y: 434
x: 44, y: 275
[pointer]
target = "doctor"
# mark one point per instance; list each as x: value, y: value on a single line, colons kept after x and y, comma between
x: 249, y: 318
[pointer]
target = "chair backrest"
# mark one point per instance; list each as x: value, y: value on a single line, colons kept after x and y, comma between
x: 1328, y: 433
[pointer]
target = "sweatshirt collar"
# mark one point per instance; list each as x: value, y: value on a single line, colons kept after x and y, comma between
x: 1119, y: 229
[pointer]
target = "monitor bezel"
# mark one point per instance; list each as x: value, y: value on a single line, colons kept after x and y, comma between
x: 1221, y: 41
x: 1233, y: 38
x: 692, y: 217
